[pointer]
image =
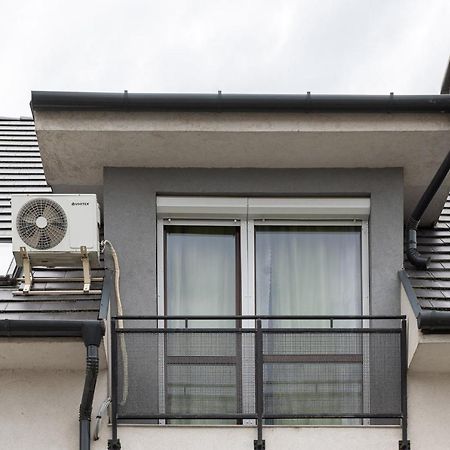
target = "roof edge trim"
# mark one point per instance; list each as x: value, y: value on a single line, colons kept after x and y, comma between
x: 103, y: 101
x: 428, y: 321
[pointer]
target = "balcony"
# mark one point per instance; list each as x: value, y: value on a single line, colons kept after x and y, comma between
x: 259, y: 370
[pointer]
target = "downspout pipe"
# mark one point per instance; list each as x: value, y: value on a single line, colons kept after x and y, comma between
x: 92, y: 364
x: 91, y: 331
x: 414, y: 256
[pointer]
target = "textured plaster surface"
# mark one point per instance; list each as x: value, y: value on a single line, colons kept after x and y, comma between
x: 130, y: 218
x: 76, y: 146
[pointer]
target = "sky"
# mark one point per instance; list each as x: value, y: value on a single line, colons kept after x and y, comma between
x: 236, y: 46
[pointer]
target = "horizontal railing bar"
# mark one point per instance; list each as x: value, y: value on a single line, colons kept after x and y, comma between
x: 332, y: 416
x: 203, y: 360
x: 265, y: 330
x: 318, y: 358
x: 186, y: 416
x: 185, y: 330
x: 262, y: 317
x: 253, y: 416
x: 332, y: 330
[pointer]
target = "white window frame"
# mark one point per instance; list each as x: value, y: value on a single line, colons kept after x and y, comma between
x: 245, y: 212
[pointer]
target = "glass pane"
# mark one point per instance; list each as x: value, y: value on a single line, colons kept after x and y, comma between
x: 201, y: 273
x: 202, y: 279
x: 313, y: 270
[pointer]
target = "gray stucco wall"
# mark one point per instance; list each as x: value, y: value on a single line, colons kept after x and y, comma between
x: 130, y: 217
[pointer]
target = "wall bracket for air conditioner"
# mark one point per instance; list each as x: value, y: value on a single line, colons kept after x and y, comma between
x: 28, y: 276
x: 86, y: 270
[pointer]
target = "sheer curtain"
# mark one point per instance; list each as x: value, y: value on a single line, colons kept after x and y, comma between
x: 306, y: 270
x: 201, y: 272
x: 201, y: 279
x: 309, y: 270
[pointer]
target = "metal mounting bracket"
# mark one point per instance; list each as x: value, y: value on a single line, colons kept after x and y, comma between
x: 28, y: 277
x: 86, y: 270
x: 114, y: 444
x: 259, y: 445
x: 404, y: 445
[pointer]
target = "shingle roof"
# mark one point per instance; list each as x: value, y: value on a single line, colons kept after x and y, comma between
x: 21, y: 168
x: 432, y: 286
x: 21, y: 171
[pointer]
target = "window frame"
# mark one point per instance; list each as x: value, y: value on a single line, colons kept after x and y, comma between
x: 246, y: 213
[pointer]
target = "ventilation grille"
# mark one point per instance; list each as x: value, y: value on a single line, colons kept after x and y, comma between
x: 41, y: 223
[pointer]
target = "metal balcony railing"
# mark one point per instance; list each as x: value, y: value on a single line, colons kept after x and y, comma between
x: 259, y: 370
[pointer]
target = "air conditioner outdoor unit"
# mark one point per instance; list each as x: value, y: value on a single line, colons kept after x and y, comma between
x: 55, y: 230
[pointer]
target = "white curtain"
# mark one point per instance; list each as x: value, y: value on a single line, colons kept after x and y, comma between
x: 201, y: 279
x: 201, y: 272
x: 309, y: 271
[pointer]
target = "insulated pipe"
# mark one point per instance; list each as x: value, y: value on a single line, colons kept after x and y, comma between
x: 92, y: 364
x: 414, y: 256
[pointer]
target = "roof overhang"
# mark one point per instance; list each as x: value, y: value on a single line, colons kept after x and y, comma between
x: 81, y: 133
x: 428, y: 333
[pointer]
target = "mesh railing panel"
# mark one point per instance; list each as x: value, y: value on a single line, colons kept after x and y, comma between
x: 331, y: 373
x: 187, y: 373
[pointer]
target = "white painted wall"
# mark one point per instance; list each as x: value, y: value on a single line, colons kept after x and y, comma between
x: 429, y: 410
x: 277, y: 438
x: 39, y: 409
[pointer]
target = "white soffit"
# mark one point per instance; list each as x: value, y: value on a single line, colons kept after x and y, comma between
x: 76, y: 146
x: 267, y: 208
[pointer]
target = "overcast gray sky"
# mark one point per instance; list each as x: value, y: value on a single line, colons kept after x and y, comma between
x: 255, y: 46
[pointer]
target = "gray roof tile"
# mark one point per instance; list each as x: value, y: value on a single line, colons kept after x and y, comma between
x: 432, y: 286
x: 21, y: 171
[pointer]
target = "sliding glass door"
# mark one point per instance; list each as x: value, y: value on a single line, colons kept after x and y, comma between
x: 309, y: 270
x: 247, y: 266
x: 202, y: 279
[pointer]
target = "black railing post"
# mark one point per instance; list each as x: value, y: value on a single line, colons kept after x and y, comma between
x: 404, y: 444
x: 259, y: 444
x: 114, y: 443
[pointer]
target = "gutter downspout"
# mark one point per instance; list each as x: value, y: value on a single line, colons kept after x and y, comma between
x: 91, y: 331
x: 414, y: 256
x: 92, y: 364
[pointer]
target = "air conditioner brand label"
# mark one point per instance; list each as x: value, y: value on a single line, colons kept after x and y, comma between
x: 80, y: 203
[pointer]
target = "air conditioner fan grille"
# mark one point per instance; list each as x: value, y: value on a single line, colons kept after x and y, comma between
x: 41, y: 223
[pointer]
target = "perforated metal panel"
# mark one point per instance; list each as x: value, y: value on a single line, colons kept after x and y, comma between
x: 187, y: 374
x: 327, y: 373
x: 307, y: 374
